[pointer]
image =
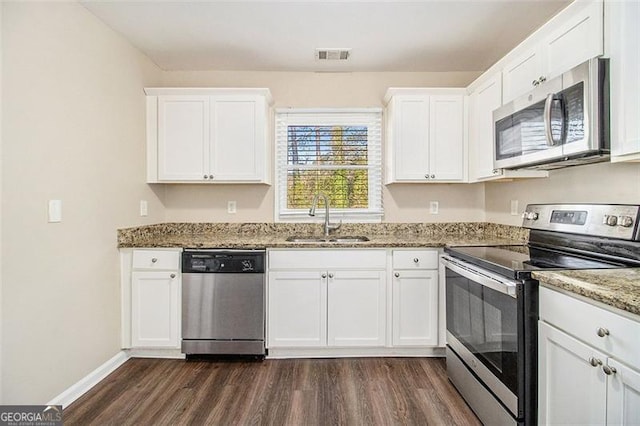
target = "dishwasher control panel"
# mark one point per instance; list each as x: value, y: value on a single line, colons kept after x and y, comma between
x: 221, y: 262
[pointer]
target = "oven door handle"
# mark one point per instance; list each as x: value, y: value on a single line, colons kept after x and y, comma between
x: 506, y: 287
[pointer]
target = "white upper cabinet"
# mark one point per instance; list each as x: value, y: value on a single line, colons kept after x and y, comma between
x: 623, y: 48
x: 574, y: 36
x: 425, y: 135
x: 208, y: 135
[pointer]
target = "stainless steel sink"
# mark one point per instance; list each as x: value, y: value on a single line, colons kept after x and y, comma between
x: 296, y: 239
x: 338, y: 240
x: 349, y: 240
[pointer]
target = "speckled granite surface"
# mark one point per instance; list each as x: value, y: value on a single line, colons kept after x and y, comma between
x: 619, y: 288
x: 274, y: 235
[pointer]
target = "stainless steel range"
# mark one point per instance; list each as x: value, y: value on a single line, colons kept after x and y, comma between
x: 492, y: 300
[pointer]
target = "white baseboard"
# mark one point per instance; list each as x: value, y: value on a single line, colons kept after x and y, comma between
x: 168, y: 353
x: 78, y: 389
x: 283, y: 353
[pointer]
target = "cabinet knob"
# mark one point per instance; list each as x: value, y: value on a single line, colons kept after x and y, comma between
x: 397, y: 275
x: 535, y: 82
x: 594, y: 362
x: 609, y: 370
x: 206, y: 177
x: 542, y: 79
x: 154, y: 260
x: 602, y: 332
x: 330, y: 275
x: 427, y: 176
x: 416, y: 260
x: 172, y: 275
x: 433, y: 176
x: 324, y: 275
x: 210, y: 176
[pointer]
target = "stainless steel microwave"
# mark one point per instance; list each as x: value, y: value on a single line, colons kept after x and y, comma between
x: 561, y: 122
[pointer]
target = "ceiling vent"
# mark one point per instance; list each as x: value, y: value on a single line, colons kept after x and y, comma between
x: 332, y: 54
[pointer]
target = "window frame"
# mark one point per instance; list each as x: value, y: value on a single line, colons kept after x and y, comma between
x: 370, y: 117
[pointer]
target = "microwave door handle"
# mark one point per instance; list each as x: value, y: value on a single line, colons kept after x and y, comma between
x: 548, y: 105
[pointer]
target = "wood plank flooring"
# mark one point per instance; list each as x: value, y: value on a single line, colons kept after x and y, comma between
x: 347, y: 391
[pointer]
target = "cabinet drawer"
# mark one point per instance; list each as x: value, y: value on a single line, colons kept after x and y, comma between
x: 415, y: 259
x: 156, y: 259
x: 584, y: 320
x: 328, y: 259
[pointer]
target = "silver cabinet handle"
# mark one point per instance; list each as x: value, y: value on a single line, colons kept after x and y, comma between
x: 154, y: 260
x: 330, y: 275
x: 602, y: 332
x: 416, y: 260
x: 172, y: 275
x: 594, y: 362
x: 324, y: 275
x: 397, y: 275
x: 609, y: 370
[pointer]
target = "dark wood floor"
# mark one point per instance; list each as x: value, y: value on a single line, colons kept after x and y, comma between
x: 347, y: 391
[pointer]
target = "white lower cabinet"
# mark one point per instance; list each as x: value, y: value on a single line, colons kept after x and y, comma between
x: 155, y: 301
x: 151, y: 302
x: 297, y: 309
x: 317, y: 298
x: 416, y: 296
x: 589, y: 369
x: 356, y: 308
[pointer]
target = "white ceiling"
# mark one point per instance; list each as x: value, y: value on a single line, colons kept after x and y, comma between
x: 275, y: 35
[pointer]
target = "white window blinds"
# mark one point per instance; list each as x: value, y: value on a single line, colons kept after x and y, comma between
x: 336, y: 152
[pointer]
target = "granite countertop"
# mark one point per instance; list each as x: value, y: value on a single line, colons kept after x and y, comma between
x: 274, y: 235
x: 619, y: 288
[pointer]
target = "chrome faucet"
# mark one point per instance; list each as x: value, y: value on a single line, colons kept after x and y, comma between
x: 328, y: 227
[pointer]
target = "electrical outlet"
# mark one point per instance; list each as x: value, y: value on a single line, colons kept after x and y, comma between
x: 231, y: 207
x: 433, y: 207
x: 55, y: 211
x: 514, y: 207
x: 144, y: 208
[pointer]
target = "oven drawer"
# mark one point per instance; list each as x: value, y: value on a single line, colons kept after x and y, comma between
x: 415, y: 259
x: 587, y: 322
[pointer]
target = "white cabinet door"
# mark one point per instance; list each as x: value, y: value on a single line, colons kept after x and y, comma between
x: 238, y: 138
x: 519, y: 75
x: 575, y: 37
x: 483, y: 102
x: 415, y: 308
x: 570, y: 389
x: 297, y: 309
x: 410, y: 137
x: 155, y: 309
x: 183, y: 137
x: 446, y: 137
x: 623, y: 35
x: 623, y: 395
x: 576, y: 41
x: 356, y: 308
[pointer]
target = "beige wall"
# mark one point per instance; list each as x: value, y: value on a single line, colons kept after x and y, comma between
x: 72, y: 129
x: 403, y: 203
x: 595, y: 183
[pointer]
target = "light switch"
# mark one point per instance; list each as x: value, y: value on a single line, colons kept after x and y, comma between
x: 55, y: 211
x: 433, y: 207
x: 231, y: 207
x: 144, y: 208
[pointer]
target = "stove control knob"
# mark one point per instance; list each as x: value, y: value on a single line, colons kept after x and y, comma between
x: 530, y: 215
x: 625, y: 221
x: 610, y: 220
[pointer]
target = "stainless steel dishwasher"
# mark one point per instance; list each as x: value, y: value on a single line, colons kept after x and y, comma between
x: 223, y: 302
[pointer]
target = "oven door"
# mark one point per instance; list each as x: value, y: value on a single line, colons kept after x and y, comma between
x: 484, y: 328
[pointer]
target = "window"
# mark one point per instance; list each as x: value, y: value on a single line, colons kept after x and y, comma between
x: 336, y: 152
